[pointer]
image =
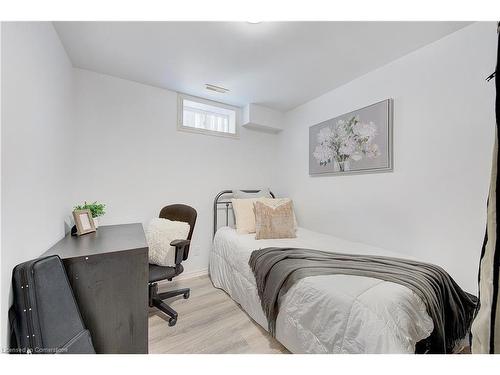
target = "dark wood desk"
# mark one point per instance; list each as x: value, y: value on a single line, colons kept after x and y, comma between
x: 108, y: 271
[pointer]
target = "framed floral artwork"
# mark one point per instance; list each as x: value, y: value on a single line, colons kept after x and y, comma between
x: 356, y: 142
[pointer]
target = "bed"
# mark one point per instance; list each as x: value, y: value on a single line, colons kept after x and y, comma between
x: 322, y: 314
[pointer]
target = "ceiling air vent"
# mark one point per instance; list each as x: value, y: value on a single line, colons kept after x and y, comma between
x: 222, y: 90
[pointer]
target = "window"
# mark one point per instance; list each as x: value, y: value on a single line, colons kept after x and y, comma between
x: 208, y: 117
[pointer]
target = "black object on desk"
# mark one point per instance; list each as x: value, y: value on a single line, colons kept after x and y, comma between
x: 108, y: 272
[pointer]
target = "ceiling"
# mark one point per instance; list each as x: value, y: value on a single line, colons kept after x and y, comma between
x: 276, y: 64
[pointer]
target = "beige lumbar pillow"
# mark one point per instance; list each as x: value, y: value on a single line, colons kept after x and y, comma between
x: 159, y: 234
x: 274, y: 221
x: 244, y: 215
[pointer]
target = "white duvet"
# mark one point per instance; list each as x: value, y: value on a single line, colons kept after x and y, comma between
x: 324, y: 314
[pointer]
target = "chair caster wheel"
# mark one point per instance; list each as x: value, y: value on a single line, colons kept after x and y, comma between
x: 186, y: 295
x: 172, y: 322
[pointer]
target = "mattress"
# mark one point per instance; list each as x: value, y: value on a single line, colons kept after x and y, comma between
x: 324, y: 314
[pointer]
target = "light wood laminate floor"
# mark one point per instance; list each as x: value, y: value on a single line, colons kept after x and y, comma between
x: 209, y: 322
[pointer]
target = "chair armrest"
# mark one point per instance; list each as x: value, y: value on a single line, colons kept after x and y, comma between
x: 181, y: 249
x: 179, y: 243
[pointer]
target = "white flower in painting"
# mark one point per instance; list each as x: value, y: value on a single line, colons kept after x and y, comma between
x: 371, y: 150
x: 323, y: 154
x: 325, y: 135
x: 341, y: 129
x: 365, y: 130
x: 348, y: 147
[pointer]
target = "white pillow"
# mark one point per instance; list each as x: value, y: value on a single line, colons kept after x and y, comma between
x: 263, y: 193
x: 159, y: 234
x: 244, y: 215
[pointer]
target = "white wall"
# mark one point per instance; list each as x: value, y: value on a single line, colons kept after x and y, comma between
x: 37, y: 108
x: 132, y: 157
x: 433, y: 204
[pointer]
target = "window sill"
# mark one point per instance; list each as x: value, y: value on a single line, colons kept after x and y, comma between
x: 188, y: 129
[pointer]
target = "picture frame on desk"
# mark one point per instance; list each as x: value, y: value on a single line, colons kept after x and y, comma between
x: 84, y: 222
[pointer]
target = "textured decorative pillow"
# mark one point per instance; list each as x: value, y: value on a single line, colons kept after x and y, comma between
x: 244, y: 216
x: 274, y: 221
x: 275, y: 202
x: 159, y: 234
x: 264, y: 193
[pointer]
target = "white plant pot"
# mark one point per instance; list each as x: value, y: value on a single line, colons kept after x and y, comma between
x: 96, y: 222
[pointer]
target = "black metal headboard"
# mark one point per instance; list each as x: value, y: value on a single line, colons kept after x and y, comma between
x: 227, y: 203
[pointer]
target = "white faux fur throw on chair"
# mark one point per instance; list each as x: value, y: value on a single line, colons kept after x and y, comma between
x: 159, y: 234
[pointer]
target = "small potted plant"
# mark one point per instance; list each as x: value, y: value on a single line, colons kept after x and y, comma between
x: 97, y: 209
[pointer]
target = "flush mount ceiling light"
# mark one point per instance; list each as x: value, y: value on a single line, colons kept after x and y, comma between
x: 254, y: 22
x: 211, y: 87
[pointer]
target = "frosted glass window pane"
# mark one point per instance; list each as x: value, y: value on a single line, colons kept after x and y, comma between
x: 204, y: 116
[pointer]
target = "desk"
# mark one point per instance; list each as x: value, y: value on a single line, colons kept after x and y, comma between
x: 108, y: 271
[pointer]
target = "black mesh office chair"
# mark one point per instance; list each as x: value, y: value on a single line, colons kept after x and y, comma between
x: 175, y: 212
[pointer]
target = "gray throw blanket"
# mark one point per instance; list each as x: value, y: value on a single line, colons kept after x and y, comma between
x: 451, y: 309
